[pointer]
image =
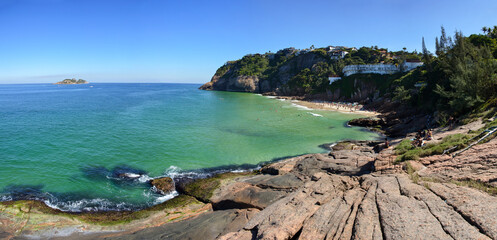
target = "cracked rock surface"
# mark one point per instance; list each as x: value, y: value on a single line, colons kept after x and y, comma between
x: 335, y: 196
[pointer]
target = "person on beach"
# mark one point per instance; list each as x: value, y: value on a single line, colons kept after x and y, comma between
x: 429, y: 135
x: 387, y: 144
x: 451, y: 123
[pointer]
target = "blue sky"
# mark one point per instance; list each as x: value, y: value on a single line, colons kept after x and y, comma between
x: 186, y: 41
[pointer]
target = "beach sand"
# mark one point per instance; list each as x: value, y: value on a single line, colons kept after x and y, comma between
x: 330, y: 106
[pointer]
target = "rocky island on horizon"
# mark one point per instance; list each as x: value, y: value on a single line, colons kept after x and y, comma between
x: 72, y: 81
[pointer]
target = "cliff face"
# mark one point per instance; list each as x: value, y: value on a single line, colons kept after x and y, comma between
x: 289, y: 74
x: 272, y: 78
x: 233, y: 84
x: 361, y: 91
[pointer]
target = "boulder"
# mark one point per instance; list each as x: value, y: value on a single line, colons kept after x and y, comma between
x: 163, y: 185
x: 243, y: 195
x: 367, y: 122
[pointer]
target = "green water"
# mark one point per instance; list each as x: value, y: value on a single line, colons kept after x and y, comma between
x: 65, y: 143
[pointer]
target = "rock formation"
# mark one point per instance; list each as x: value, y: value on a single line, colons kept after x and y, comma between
x: 354, y: 192
x: 337, y: 196
x: 163, y: 185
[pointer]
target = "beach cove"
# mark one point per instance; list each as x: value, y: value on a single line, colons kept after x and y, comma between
x: 116, y: 137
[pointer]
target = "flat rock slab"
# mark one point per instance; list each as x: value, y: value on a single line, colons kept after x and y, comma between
x: 281, y: 182
x: 475, y: 206
x: 334, y: 219
x: 403, y: 217
x: 206, y: 226
x: 479, y: 163
x: 285, y: 218
x: 244, y: 195
x: 452, y: 222
x: 367, y: 225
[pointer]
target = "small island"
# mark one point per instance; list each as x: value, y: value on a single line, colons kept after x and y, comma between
x: 72, y: 81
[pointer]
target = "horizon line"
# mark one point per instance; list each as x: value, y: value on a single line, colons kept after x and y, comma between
x: 98, y: 82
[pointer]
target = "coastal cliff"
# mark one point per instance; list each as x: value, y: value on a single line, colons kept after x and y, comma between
x: 264, y: 73
x: 359, y: 190
x: 307, y: 73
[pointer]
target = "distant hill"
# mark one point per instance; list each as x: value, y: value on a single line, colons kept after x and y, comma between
x: 72, y: 81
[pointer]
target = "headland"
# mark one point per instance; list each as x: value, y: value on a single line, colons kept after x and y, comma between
x: 432, y: 178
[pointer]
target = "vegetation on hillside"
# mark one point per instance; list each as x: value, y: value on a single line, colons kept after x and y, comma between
x: 313, y: 79
x: 460, y: 79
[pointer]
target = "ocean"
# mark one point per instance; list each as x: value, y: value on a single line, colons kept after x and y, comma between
x: 71, y: 145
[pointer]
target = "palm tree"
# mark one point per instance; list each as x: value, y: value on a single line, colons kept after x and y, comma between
x: 484, y: 29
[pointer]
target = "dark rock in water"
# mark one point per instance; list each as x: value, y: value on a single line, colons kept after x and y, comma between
x: 182, y: 182
x: 367, y: 122
x: 163, y: 185
x: 95, y: 172
x: 126, y: 172
x: 327, y: 146
x: 25, y: 192
x: 122, y: 172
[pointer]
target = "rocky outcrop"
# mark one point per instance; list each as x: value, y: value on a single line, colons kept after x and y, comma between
x: 479, y: 163
x: 163, y: 185
x: 274, y: 81
x: 233, y: 84
x: 244, y: 195
x: 339, y: 195
x: 367, y: 122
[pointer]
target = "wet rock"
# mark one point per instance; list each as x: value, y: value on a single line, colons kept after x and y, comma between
x: 126, y: 172
x: 163, y: 185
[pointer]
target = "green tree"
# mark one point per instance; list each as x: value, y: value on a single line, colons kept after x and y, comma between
x: 426, y: 53
x: 471, y: 75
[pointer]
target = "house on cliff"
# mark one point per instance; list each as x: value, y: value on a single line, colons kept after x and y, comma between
x: 410, y: 64
x: 333, y: 78
x: 381, y: 68
x: 338, y: 54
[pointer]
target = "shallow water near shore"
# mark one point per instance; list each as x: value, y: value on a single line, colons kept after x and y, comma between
x: 94, y: 146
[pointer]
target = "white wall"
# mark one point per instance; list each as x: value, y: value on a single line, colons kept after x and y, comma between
x: 380, y: 68
x: 370, y: 68
x: 333, y: 79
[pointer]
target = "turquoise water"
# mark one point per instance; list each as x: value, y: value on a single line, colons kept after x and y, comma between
x: 70, y: 144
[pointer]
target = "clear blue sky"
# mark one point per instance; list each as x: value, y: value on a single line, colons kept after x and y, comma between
x: 186, y: 41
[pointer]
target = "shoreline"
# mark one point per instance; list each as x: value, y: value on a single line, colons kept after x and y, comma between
x: 205, y: 173
x: 102, y: 221
x: 235, y: 205
x: 348, y: 108
x: 187, y: 204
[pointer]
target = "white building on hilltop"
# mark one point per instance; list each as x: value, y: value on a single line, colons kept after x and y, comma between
x: 410, y: 64
x: 381, y: 68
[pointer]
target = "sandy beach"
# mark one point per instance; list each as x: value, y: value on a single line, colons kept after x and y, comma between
x: 332, y: 106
